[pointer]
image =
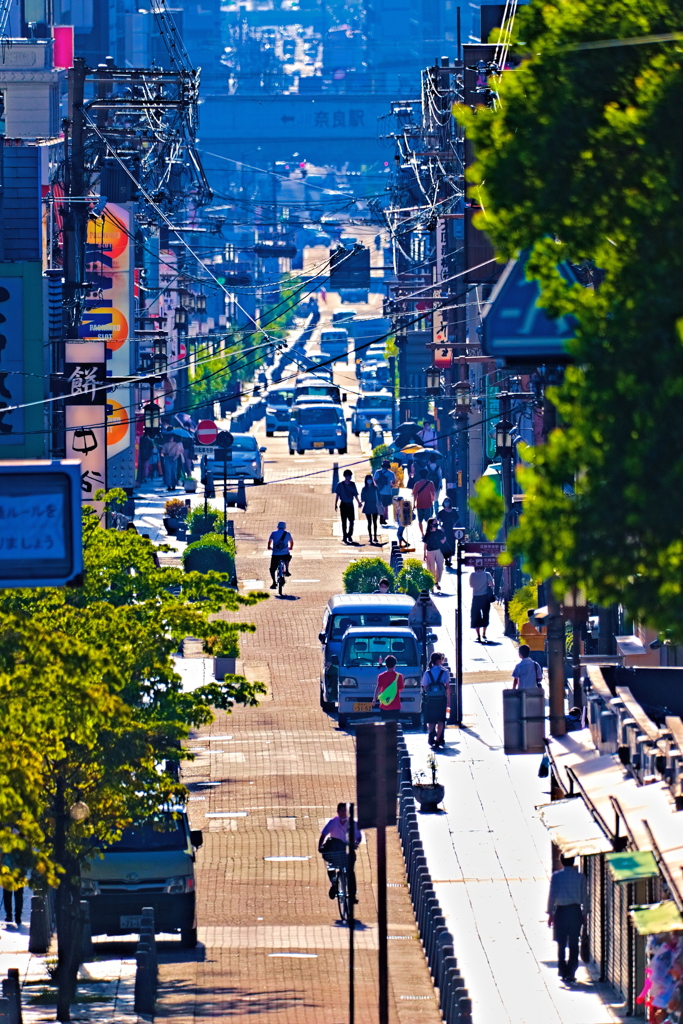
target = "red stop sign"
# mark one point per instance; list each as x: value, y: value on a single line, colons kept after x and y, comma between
x: 206, y: 432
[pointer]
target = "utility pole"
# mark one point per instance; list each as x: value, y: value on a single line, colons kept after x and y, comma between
x: 555, y: 623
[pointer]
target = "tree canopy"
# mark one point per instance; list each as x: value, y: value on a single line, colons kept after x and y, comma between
x: 91, y: 708
x: 582, y: 160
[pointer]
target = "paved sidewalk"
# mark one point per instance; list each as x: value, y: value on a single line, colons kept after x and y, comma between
x: 489, y: 854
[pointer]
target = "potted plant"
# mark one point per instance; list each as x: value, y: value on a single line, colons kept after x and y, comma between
x: 225, y: 651
x: 200, y: 523
x: 190, y: 484
x: 427, y: 789
x: 174, y: 520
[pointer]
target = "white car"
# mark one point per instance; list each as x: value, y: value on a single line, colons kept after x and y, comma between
x: 244, y: 460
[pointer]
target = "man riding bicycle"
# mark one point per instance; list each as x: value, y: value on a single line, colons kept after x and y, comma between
x: 281, y: 544
x: 334, y: 838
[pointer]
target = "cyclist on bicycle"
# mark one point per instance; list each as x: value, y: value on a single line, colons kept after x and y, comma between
x: 281, y: 544
x: 334, y: 838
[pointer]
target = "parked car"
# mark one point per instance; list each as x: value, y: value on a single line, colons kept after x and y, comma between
x: 151, y: 865
x: 349, y: 611
x: 340, y: 315
x: 244, y: 460
x: 334, y: 342
x: 378, y: 406
x: 278, y: 404
x: 319, y: 425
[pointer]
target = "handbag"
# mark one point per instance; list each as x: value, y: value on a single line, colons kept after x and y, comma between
x: 544, y: 767
x: 585, y: 945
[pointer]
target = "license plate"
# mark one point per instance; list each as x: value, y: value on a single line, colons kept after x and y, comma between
x: 362, y: 707
x: 318, y: 444
x: 131, y: 921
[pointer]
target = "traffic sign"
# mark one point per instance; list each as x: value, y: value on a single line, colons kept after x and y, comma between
x: 204, y: 449
x: 207, y: 432
x: 515, y: 325
x: 490, y: 548
x: 224, y: 440
x: 481, y: 561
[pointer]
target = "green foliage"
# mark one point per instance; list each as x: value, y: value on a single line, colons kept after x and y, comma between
x: 381, y: 452
x: 90, y: 703
x: 414, y: 578
x: 197, y: 522
x: 363, y: 575
x: 209, y: 553
x: 521, y: 602
x: 582, y: 160
x: 489, y: 505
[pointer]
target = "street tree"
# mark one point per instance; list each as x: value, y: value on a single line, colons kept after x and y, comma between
x: 93, y: 712
x: 582, y: 160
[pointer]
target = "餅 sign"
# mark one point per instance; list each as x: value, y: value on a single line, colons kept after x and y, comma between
x: 40, y: 523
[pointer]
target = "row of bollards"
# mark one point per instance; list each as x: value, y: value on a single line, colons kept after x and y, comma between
x: 10, y: 1002
x: 147, y: 969
x: 437, y: 942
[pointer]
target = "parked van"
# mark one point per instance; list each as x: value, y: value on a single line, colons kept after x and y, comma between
x: 334, y: 342
x: 372, y: 407
x: 151, y: 865
x: 317, y: 426
x: 377, y: 612
x: 363, y: 656
x: 278, y: 403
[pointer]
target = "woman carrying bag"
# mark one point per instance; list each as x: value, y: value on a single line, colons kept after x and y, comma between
x: 371, y: 506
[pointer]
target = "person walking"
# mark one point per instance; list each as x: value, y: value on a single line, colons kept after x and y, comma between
x: 385, y: 478
x: 427, y: 434
x: 346, y: 493
x: 527, y: 674
x: 388, y: 690
x: 567, y: 903
x: 436, y: 476
x: 383, y: 587
x: 434, y: 543
x: 481, y: 583
x: 172, y: 453
x: 280, y: 543
x: 423, y: 498
x: 145, y: 453
x: 334, y: 838
x: 435, y: 684
x: 370, y: 499
x: 448, y: 518
x: 18, y: 895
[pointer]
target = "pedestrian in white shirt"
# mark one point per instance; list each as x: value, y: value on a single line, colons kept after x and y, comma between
x: 527, y: 674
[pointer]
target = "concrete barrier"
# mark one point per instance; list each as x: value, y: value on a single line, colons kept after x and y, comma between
x: 437, y: 942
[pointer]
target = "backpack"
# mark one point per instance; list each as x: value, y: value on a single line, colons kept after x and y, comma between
x: 436, y: 687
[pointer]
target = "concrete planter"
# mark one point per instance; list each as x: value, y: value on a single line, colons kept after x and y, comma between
x: 428, y: 797
x: 223, y: 667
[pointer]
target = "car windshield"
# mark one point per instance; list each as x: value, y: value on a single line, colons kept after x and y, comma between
x: 243, y: 444
x: 340, y: 623
x: 314, y: 414
x: 326, y: 390
x: 164, y: 832
x: 333, y: 336
x: 371, y: 651
x: 375, y: 402
x: 280, y: 397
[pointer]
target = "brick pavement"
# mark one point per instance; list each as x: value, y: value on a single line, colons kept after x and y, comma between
x: 270, y: 944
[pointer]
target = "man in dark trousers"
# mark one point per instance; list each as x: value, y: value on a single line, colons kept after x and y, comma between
x: 345, y: 494
x: 567, y: 902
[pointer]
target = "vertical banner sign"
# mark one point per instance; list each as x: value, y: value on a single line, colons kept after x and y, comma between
x: 86, y: 412
x: 11, y: 360
x: 109, y: 318
x: 439, y: 317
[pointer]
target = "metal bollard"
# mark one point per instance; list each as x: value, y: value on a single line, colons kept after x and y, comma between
x: 5, y: 1011
x: 436, y: 940
x: 144, y: 989
x: 11, y: 990
x: 145, y: 946
x: 465, y: 1010
x: 448, y: 962
x: 87, y: 953
x: 39, y: 932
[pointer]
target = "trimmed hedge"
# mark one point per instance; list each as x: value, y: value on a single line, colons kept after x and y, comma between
x: 209, y: 553
x: 413, y: 578
x: 363, y: 576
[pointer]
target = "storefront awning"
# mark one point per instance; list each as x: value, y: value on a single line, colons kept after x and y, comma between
x: 573, y: 828
x: 657, y: 917
x: 632, y: 866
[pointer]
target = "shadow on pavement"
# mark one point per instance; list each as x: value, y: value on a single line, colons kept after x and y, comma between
x: 193, y: 1002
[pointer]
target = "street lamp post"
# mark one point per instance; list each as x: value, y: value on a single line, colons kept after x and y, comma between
x: 455, y: 712
x: 505, y: 449
x: 575, y: 609
x: 463, y: 401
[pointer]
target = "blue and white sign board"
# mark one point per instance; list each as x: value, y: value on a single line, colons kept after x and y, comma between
x: 516, y: 327
x: 40, y: 523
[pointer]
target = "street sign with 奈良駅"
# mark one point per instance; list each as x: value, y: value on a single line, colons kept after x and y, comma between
x: 486, y: 548
x: 516, y: 326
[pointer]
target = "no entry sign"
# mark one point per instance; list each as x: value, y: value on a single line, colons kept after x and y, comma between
x: 207, y: 432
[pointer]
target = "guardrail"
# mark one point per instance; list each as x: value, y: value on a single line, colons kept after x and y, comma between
x: 437, y: 941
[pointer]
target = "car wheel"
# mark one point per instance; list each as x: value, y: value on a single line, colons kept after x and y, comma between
x: 326, y: 705
x: 291, y: 451
x: 301, y: 451
x: 259, y: 480
x: 357, y: 433
x: 188, y: 938
x: 343, y: 721
x: 269, y: 433
x: 342, y: 451
x: 331, y: 451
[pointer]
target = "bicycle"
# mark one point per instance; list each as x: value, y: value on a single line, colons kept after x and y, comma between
x: 281, y: 574
x: 339, y: 861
